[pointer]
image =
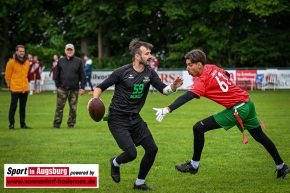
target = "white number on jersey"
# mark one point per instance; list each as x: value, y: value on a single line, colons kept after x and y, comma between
x: 223, y: 82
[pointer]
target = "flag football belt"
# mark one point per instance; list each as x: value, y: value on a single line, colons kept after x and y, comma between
x: 245, y: 140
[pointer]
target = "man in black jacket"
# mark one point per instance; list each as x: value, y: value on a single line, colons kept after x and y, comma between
x: 70, y: 82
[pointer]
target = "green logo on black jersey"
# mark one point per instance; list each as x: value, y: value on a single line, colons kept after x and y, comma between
x: 138, y: 91
x: 146, y: 79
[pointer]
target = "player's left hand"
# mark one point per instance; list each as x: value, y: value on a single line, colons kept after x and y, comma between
x: 160, y: 113
x: 177, y: 83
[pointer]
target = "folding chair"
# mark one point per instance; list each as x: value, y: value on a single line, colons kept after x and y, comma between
x: 273, y: 79
x: 260, y: 81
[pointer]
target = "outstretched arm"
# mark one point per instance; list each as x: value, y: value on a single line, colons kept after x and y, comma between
x: 161, y: 112
x: 173, y: 87
x: 182, y: 100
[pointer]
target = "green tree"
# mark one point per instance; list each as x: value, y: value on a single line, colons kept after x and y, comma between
x: 233, y: 33
x: 37, y: 24
x: 236, y: 33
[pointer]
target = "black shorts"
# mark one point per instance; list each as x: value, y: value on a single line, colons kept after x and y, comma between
x: 127, y: 129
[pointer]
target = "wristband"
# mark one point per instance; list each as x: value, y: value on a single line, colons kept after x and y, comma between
x: 167, y: 90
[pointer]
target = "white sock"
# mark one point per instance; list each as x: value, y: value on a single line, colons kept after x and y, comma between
x: 194, y: 164
x: 139, y: 182
x: 37, y: 85
x: 31, y: 87
x: 279, y: 167
x: 115, y: 163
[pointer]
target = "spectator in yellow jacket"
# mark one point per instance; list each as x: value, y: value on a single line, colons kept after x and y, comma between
x: 16, y: 76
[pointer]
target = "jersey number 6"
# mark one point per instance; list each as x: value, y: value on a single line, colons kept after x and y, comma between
x: 223, y: 82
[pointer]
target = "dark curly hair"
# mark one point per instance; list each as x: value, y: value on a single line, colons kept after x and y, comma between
x: 196, y: 56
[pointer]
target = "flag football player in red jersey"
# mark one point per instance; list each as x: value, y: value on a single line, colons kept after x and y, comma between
x: 214, y: 83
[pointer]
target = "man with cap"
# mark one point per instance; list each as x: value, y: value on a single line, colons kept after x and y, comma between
x: 70, y: 81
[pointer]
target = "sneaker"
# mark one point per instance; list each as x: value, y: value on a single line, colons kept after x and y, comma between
x: 282, y: 172
x: 11, y: 127
x: 91, y: 92
x: 141, y: 187
x: 25, y: 127
x: 187, y: 167
x: 115, y: 171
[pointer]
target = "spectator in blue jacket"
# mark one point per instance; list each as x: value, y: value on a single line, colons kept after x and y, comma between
x: 88, y: 71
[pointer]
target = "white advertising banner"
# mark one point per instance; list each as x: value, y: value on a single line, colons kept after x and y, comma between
x: 248, y: 79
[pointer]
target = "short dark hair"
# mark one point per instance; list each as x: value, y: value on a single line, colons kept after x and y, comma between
x: 19, y: 46
x: 196, y: 56
x: 135, y: 45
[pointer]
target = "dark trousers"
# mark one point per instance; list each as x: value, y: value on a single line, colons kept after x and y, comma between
x: 22, y: 97
x: 88, y: 80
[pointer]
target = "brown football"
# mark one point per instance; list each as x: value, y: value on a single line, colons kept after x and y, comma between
x: 96, y: 109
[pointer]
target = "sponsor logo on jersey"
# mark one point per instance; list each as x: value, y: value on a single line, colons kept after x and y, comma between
x: 146, y: 79
x: 131, y: 76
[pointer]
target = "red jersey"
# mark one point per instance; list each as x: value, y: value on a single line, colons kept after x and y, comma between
x: 214, y: 84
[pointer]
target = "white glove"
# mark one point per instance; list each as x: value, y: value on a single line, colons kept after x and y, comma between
x: 160, y: 113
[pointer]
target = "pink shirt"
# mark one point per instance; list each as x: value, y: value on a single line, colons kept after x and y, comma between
x: 214, y: 84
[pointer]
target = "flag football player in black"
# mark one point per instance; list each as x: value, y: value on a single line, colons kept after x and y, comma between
x: 132, y: 83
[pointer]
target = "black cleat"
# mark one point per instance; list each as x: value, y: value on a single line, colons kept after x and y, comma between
x: 70, y: 126
x: 282, y: 172
x: 55, y: 127
x: 141, y: 187
x: 25, y: 127
x: 11, y: 127
x: 187, y: 167
x: 115, y: 171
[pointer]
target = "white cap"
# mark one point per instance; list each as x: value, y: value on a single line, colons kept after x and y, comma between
x: 69, y: 46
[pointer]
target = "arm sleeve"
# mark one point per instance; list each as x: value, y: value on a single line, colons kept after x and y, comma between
x: 57, y: 75
x: 111, y: 80
x: 182, y: 100
x: 8, y: 74
x: 82, y: 75
x: 157, y: 82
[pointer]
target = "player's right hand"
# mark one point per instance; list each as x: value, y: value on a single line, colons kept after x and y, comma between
x: 89, y: 103
x: 160, y: 113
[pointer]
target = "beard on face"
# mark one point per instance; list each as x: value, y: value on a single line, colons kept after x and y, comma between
x: 144, y: 62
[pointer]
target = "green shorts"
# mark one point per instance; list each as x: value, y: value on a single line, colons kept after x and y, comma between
x: 226, y: 118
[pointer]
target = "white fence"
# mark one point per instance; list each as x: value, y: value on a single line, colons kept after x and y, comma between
x: 246, y: 79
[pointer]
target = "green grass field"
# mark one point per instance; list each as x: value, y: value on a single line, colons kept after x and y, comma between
x: 227, y: 165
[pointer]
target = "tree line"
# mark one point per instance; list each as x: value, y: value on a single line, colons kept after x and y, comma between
x: 245, y: 33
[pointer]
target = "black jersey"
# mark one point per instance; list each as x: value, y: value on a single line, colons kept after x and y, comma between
x: 131, y: 87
